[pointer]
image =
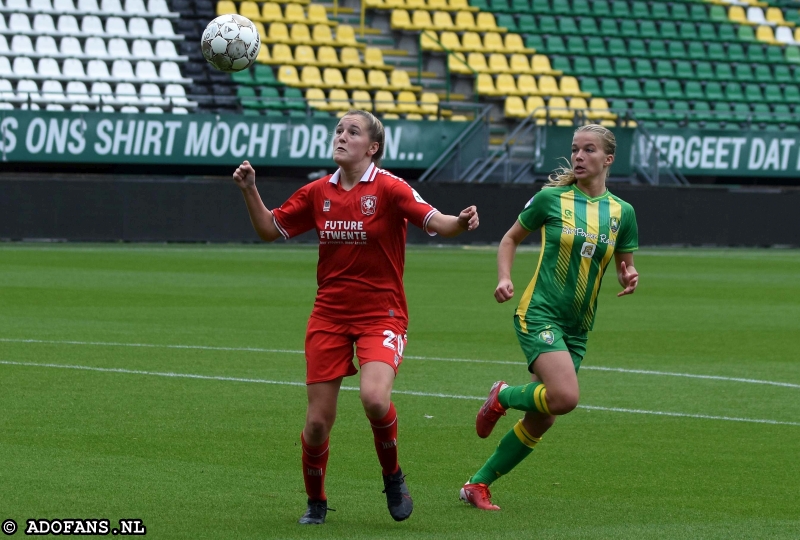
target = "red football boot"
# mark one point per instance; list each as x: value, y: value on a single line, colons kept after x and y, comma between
x: 478, y: 496
x: 490, y: 412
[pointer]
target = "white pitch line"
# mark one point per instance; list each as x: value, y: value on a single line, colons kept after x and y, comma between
x: 430, y: 358
x: 403, y: 392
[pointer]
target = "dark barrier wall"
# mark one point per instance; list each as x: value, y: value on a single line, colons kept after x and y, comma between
x: 181, y: 210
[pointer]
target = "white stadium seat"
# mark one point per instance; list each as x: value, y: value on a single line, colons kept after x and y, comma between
x: 3, y: 22
x: 129, y: 109
x: 88, y: 6
x: 76, y: 92
x: 73, y: 69
x: 115, y: 26
x: 48, y: 68
x: 138, y: 27
x: 118, y: 48
x: 110, y: 6
x: 6, y: 106
x: 53, y: 92
x: 122, y: 69
x: 63, y: 6
x: 166, y: 49
x: 27, y: 90
x: 70, y: 46
x: 97, y: 70
x: 177, y: 94
x: 106, y: 108
x: 141, y: 48
x: 23, y: 67
x: 162, y: 27
x: 157, y: 7
x: 784, y: 35
x: 43, y: 24
x: 95, y: 47
x: 756, y: 15
x: 150, y: 94
x: 54, y: 107
x: 19, y: 22
x: 6, y: 91
x: 79, y: 108
x: 169, y: 71
x: 67, y: 24
x: 92, y: 25
x: 126, y: 93
x: 42, y: 5
x: 17, y: 5
x: 156, y: 110
x: 102, y: 93
x: 3, y: 44
x: 21, y: 44
x: 5, y: 67
x: 47, y: 45
x: 146, y: 71
x: 135, y: 7
x: 179, y: 110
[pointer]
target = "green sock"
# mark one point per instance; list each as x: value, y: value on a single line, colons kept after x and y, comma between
x: 528, y: 397
x: 515, y: 446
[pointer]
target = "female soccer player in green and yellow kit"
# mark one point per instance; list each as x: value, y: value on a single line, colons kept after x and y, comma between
x: 582, y: 226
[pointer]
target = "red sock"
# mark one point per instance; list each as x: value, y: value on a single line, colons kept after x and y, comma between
x: 385, y: 432
x: 315, y: 461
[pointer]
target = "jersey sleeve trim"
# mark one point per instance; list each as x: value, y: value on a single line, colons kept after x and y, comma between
x: 425, y: 221
x: 627, y: 250
x: 279, y: 227
x: 519, y: 220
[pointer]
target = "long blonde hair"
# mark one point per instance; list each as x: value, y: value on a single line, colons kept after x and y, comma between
x: 565, y: 176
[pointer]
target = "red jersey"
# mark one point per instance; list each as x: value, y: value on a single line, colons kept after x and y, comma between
x: 362, y: 241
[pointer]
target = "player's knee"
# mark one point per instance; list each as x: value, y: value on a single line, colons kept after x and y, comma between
x: 319, y: 426
x: 562, y: 401
x: 375, y: 403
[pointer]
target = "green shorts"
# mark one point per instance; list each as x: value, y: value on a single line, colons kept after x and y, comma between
x: 543, y: 337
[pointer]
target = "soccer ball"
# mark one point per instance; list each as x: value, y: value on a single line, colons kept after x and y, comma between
x: 230, y: 43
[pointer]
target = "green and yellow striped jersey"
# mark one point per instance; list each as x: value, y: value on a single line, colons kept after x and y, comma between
x: 579, y: 237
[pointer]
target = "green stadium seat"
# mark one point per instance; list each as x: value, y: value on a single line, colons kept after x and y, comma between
x: 772, y: 93
x: 600, y: 8
x: 783, y: 114
x: 273, y: 112
x: 659, y: 11
x: 702, y: 111
x: 668, y: 30
x: 247, y: 97
x: 641, y: 110
x: 609, y: 27
x: 722, y: 111
x: 610, y: 88
x: 782, y: 74
x: 775, y: 55
x: 562, y: 7
x: 629, y: 28
x: 707, y: 32
x: 482, y: 5
x: 746, y: 33
x: 648, y: 29
x: 243, y: 77
x: 587, y: 26
x: 743, y: 72
x: 793, y: 55
x: 602, y: 67
x: 763, y: 74
x: 791, y: 93
x: 541, y: 6
x: 505, y: 20
x: 681, y: 111
x: 623, y: 67
x: 499, y: 6
x: 665, y: 69
x: 753, y: 94
x: 251, y: 112
x: 555, y: 45
x: 643, y: 68
x: 736, y: 53
x: 653, y: 89
x: 263, y: 75
x: 688, y: 31
x: 520, y: 6
x: 673, y: 90
x: 567, y: 26
x: 617, y: 47
x: 534, y: 42
x: 636, y: 48
x: 698, y: 12
x: 741, y: 113
x: 596, y: 45
x: 270, y: 97
x: 527, y: 24
x: 582, y: 65
x: 680, y: 12
x: 723, y: 72
x: 619, y: 106
x: 733, y: 92
x: 296, y: 113
x: 694, y: 90
x: 320, y: 114
x: 576, y: 45
x: 631, y: 88
x: 755, y: 53
x: 547, y: 24
x: 662, y: 110
x: 581, y: 7
x: 620, y: 9
x: 640, y: 10
x: 561, y: 63
x: 677, y: 50
x: 716, y: 51
x: 704, y: 71
x: 684, y: 70
x: 590, y: 84
x: 713, y: 91
x: 718, y: 14
x: 697, y: 51
x: 657, y: 48
x: 293, y: 99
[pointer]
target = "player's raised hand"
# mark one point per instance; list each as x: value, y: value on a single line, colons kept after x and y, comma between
x: 468, y: 218
x: 628, y: 278
x: 504, y: 291
x: 244, y: 175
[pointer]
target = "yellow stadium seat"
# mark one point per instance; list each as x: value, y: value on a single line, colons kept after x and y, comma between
x: 535, y: 105
x: 304, y: 55
x: 415, y: 4
x: 349, y: 56
x: 384, y: 102
x: 288, y: 76
x: 485, y: 22
x: 514, y: 107
x: 263, y: 55
x: 493, y: 42
x: 765, y: 33
x: 578, y: 104
x: 498, y: 63
x: 400, y: 20
x: 775, y: 15
x: 362, y: 100
x: 226, y: 7
x: 569, y: 87
x: 310, y: 76
x: 437, y: 4
x: 326, y: 56
x: 300, y: 34
x: 332, y: 78
x: 477, y: 62
x: 373, y: 57
x: 540, y: 65
x: 338, y: 100
x: 429, y: 41
x: 322, y: 35
x: 737, y: 14
x: 317, y: 14
x: 400, y: 80
x: 519, y: 63
x: 394, y: 4
x: 374, y: 4
x: 548, y: 86
x: 407, y: 102
x: 484, y: 85
x: 294, y: 13
x: 506, y: 85
x: 461, y: 5
x: 281, y: 54
x: 450, y: 41
x: 250, y: 10
x: 271, y: 12
x: 457, y: 118
x: 442, y: 20
x: 316, y: 99
x: 465, y: 21
x: 390, y: 116
x: 526, y: 85
x: 346, y: 35
x: 429, y: 103
x: 278, y: 33
x: 471, y: 41
x: 456, y: 63
x: 557, y: 107
x: 421, y: 20
x: 598, y: 108
x: 413, y: 116
x: 377, y: 79
x: 356, y: 79
x: 513, y: 44
x: 261, y: 31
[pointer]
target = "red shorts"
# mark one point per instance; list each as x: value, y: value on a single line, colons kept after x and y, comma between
x: 329, y: 347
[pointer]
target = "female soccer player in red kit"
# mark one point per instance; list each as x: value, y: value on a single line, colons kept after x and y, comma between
x: 360, y: 214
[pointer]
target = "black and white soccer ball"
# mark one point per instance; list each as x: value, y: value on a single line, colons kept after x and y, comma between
x: 230, y: 43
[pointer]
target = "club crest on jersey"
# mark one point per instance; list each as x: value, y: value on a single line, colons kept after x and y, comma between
x: 614, y: 224
x: 547, y: 336
x: 326, y: 206
x: 368, y: 204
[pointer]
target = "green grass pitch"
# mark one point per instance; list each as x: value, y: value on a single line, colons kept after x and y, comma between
x: 105, y: 416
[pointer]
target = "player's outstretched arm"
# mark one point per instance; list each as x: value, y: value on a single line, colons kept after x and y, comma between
x: 626, y: 274
x: 505, y: 261
x: 450, y: 226
x: 245, y: 177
